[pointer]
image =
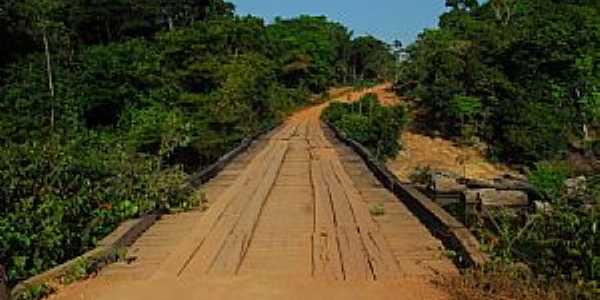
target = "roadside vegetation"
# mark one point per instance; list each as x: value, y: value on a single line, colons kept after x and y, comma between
x: 523, y: 77
x: 107, y: 107
x: 368, y: 122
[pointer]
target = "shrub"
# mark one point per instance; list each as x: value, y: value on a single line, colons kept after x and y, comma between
x: 377, y: 209
x: 357, y: 126
x: 368, y: 122
x: 560, y: 242
x: 422, y: 175
x: 58, y: 199
x: 548, y: 177
x: 565, y: 244
x: 528, y: 85
x: 466, y: 109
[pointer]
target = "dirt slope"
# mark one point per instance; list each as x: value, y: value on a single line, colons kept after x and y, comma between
x: 287, y: 220
x: 443, y: 155
x: 439, y: 154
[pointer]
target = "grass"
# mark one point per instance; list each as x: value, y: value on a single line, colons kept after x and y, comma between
x: 36, y: 292
x: 502, y: 282
x: 80, y: 270
x: 377, y: 209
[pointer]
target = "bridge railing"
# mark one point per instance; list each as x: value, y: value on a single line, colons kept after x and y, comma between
x: 445, y: 227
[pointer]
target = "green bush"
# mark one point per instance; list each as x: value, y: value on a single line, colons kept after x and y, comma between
x: 59, y: 200
x: 358, y: 127
x: 368, y: 122
x: 466, y: 109
x: 559, y: 242
x: 548, y: 177
x: 565, y: 243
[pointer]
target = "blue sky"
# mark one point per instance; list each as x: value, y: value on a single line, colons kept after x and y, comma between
x: 385, y: 19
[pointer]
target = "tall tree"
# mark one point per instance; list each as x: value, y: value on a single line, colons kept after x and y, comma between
x: 45, y: 18
x: 309, y: 49
x: 371, y: 59
x: 532, y: 64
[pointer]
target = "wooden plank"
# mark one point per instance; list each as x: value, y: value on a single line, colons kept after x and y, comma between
x: 326, y: 256
x: 381, y: 260
x: 354, y: 260
x: 194, y: 240
x: 215, y: 241
x: 105, y: 253
x: 285, y: 133
x: 236, y: 245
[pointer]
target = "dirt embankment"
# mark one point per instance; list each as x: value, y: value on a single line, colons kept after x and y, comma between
x: 436, y: 153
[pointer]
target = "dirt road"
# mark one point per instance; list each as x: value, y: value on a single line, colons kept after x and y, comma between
x: 289, y: 219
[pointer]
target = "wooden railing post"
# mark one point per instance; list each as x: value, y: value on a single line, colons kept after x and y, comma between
x: 4, y: 292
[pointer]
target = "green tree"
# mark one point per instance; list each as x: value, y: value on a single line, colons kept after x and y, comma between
x: 466, y: 109
x: 45, y: 21
x: 528, y: 62
x: 308, y: 50
x: 371, y: 59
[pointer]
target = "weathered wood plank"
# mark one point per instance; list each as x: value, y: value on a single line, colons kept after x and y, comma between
x: 188, y: 248
x: 381, y: 260
x: 354, y: 259
x: 326, y: 256
x: 237, y: 242
x: 215, y: 242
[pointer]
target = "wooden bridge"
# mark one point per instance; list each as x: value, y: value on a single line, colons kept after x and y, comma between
x: 298, y: 215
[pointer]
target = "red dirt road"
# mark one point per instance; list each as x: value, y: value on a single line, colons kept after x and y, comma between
x: 289, y: 219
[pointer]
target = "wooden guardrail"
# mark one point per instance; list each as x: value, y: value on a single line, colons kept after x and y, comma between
x: 455, y: 235
x: 214, y: 169
x: 106, y: 252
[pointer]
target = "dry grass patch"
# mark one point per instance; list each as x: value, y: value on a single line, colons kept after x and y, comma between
x: 509, y: 283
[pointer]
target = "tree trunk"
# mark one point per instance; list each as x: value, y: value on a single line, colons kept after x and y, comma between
x: 109, y: 36
x: 509, y: 13
x: 171, y: 25
x: 504, y: 10
x: 497, y: 10
x: 4, y: 292
x: 354, y: 71
x: 50, y: 79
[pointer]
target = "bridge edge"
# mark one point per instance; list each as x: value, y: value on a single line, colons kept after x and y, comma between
x: 453, y: 234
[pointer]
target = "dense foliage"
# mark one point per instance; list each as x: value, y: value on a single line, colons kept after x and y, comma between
x: 316, y: 53
x: 373, y: 125
x: 106, y: 107
x: 522, y: 75
x: 559, y: 240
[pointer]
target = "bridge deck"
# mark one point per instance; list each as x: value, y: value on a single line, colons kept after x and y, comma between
x: 287, y: 219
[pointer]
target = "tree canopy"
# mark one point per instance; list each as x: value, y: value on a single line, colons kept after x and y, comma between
x: 533, y: 65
